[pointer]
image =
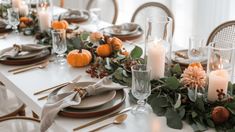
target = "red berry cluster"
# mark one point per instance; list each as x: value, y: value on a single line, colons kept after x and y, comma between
x: 96, y: 72
x: 220, y: 94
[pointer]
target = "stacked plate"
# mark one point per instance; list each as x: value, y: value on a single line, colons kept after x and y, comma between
x: 92, y: 106
x: 126, y: 31
x: 25, y: 57
x: 75, y: 16
x: 181, y: 57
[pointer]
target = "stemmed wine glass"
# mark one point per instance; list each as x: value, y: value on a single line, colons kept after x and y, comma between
x: 59, y: 44
x: 13, y: 18
x: 141, y: 87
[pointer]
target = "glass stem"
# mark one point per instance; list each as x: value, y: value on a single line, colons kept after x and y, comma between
x: 141, y: 102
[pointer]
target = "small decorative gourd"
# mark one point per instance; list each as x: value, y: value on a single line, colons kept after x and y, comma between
x: 115, y: 43
x: 60, y: 24
x: 104, y: 50
x: 79, y: 58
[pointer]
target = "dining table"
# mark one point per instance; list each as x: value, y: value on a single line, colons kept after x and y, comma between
x: 24, y: 86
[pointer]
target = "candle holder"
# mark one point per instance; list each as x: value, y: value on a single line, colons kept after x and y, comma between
x: 158, y: 45
x: 220, y: 69
x: 45, y: 13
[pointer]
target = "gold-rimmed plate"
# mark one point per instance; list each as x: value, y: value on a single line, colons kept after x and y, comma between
x: 181, y: 57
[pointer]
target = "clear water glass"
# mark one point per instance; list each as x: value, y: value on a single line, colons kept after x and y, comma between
x: 141, y: 88
x: 195, y: 50
x: 95, y: 17
x: 59, y: 44
x: 13, y: 18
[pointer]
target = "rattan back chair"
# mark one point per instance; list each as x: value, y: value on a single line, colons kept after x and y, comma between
x: 115, y: 7
x: 157, y: 6
x: 225, y: 32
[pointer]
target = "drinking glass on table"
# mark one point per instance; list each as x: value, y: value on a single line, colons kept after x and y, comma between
x: 59, y: 44
x: 95, y: 17
x: 13, y: 18
x: 141, y: 87
x: 195, y: 50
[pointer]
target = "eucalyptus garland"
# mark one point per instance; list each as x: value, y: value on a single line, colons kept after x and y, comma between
x: 178, y: 103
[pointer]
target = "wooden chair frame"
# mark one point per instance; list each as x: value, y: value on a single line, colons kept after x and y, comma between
x: 155, y: 4
x: 115, y: 9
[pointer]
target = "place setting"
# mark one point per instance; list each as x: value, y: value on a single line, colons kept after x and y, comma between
x: 75, y: 16
x: 126, y: 31
x: 83, y: 100
x: 197, y: 52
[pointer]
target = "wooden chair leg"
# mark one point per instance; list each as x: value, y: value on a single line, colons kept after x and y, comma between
x: 35, y: 115
x: 21, y: 112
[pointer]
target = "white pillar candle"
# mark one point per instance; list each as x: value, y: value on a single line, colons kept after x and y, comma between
x: 16, y: 3
x: 217, y: 80
x: 24, y: 9
x: 44, y: 19
x: 156, y: 59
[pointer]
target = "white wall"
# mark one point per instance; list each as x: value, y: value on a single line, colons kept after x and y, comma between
x: 192, y: 17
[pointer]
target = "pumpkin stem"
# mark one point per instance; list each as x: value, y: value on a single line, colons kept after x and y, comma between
x: 80, y: 49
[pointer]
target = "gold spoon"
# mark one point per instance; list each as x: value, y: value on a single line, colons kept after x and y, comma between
x: 118, y: 120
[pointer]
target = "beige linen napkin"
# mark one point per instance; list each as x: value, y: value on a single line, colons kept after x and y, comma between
x: 57, y: 102
x: 21, y: 48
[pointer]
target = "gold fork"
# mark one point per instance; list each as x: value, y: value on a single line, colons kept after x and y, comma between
x: 58, y: 86
x: 40, y: 66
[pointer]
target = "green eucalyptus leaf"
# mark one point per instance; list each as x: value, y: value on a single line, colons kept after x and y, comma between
x: 176, y: 69
x: 200, y: 104
x: 173, y: 119
x: 191, y: 95
x: 201, y: 126
x: 136, y: 52
x: 178, y: 102
x: 118, y: 74
x: 84, y: 36
x: 172, y: 83
x: 158, y: 104
x: 182, y: 112
x: 125, y: 73
x: 210, y: 123
x: 194, y: 114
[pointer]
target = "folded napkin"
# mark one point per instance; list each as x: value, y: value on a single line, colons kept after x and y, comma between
x: 59, y: 101
x: 22, y: 48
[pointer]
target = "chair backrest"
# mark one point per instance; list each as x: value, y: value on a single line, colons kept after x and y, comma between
x: 105, y: 7
x: 151, y: 8
x: 225, y: 32
x: 61, y: 3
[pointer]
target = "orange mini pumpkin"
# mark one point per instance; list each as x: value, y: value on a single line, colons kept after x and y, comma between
x: 25, y: 19
x: 104, y: 50
x: 116, y: 43
x: 79, y: 58
x: 60, y: 24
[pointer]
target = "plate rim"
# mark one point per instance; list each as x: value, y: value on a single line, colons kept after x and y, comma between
x: 96, y: 113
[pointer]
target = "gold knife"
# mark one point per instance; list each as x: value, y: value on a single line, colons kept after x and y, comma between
x: 102, y: 118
